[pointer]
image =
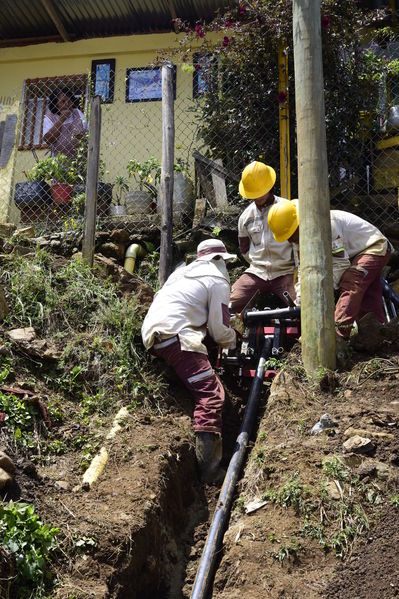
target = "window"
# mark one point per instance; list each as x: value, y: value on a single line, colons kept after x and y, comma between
x: 205, y: 74
x: 36, y: 98
x: 145, y: 84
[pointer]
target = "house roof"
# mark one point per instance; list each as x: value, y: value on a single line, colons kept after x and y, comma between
x: 25, y: 22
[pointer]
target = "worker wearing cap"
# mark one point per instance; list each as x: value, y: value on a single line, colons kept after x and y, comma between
x: 271, y: 264
x: 193, y: 301
x: 360, y: 252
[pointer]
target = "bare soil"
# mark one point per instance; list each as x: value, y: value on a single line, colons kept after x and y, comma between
x: 143, y: 524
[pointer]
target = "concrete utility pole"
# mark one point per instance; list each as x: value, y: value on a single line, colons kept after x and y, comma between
x: 317, y: 294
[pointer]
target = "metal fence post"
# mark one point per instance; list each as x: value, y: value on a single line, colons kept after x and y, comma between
x: 93, y: 157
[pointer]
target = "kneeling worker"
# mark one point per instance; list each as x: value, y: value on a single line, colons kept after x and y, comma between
x: 360, y: 252
x: 193, y: 301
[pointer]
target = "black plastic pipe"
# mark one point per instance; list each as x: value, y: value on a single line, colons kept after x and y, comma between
x: 263, y: 316
x: 213, y: 543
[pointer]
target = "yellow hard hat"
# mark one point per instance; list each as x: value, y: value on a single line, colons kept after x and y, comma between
x: 283, y: 219
x: 257, y: 179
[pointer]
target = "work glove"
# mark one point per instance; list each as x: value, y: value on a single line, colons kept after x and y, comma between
x: 237, y: 324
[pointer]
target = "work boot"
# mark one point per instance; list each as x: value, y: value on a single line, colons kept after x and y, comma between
x: 208, y: 451
x: 342, y: 350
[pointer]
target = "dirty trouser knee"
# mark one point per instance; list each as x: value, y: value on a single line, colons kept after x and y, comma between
x: 196, y: 373
x: 247, y: 285
x: 361, y: 292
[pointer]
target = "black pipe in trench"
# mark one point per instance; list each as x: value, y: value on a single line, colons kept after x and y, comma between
x: 213, y: 543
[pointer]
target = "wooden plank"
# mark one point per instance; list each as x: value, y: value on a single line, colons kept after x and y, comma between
x: 199, y: 211
x: 219, y: 186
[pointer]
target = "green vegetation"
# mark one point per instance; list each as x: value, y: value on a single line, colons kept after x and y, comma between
x: 334, y: 520
x: 31, y: 542
x: 19, y: 419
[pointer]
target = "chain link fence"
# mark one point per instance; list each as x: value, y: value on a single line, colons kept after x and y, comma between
x: 44, y: 129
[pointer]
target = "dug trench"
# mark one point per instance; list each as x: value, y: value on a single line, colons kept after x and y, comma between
x: 142, y: 526
x: 309, y: 518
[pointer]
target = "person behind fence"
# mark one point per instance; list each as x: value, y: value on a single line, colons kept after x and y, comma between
x: 63, y: 124
x: 360, y: 251
x: 193, y: 302
x: 271, y: 264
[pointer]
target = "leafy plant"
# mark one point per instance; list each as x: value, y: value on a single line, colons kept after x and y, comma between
x: 19, y: 418
x: 31, y: 542
x: 290, y: 550
x: 121, y: 186
x: 145, y: 173
x: 57, y: 167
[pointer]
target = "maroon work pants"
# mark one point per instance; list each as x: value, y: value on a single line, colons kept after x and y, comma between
x: 196, y: 373
x: 361, y: 292
x: 246, y: 285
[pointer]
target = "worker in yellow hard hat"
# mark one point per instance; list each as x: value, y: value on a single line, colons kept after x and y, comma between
x: 271, y: 264
x: 360, y: 251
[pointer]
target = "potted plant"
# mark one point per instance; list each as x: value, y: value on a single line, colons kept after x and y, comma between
x: 147, y: 175
x: 58, y: 171
x: 121, y: 187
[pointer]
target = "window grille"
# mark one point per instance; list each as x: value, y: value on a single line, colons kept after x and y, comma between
x: 35, y: 103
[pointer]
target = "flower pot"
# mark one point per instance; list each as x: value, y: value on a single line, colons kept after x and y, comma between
x: 32, y: 193
x: 139, y: 202
x: 61, y: 193
x: 183, y: 198
x: 104, y: 196
x: 117, y: 210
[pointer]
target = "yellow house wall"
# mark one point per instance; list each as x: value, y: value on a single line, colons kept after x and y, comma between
x: 129, y: 130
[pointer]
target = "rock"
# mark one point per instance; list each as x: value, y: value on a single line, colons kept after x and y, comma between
x: 3, y: 305
x: 370, y: 334
x: 332, y: 490
x: 383, y: 470
x: 5, y: 478
x: 357, y: 444
x: 25, y: 232
x: 367, y: 468
x: 106, y: 267
x: 119, y: 236
x: 363, y: 432
x: 62, y: 484
x: 6, y: 463
x: 7, y: 229
x: 324, y: 423
x: 42, y: 242
x: 352, y: 460
x: 21, y: 335
x: 113, y: 250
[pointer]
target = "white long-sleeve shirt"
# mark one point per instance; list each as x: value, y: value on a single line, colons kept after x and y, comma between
x: 351, y: 236
x: 193, y: 300
x: 267, y: 257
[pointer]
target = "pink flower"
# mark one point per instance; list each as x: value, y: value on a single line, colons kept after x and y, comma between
x: 225, y: 42
x: 281, y: 97
x: 199, y: 30
x: 197, y: 67
x: 227, y: 24
x: 241, y: 9
x: 325, y: 22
